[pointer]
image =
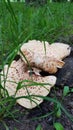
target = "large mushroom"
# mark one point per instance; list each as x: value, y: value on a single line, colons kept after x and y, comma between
x: 19, y: 81
x: 45, y: 56
x: 33, y: 84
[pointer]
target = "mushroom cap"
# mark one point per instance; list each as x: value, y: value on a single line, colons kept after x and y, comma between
x: 61, y: 50
x: 44, y: 56
x: 18, y: 73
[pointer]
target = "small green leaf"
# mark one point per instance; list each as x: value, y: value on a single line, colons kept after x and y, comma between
x: 58, y: 126
x: 39, y: 127
x: 19, y: 86
x: 15, y: 129
x: 58, y: 114
x: 5, y: 125
x: 66, y: 90
x: 72, y: 90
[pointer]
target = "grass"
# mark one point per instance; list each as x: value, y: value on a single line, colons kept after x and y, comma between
x: 43, y: 23
x: 18, y: 24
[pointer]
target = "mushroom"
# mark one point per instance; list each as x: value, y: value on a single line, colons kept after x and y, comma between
x: 45, y: 56
x: 29, y: 84
x: 60, y: 50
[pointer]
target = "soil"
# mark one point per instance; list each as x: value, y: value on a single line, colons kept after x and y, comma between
x: 24, y: 117
x: 65, y: 75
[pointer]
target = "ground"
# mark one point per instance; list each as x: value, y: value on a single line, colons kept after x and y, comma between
x: 24, y: 121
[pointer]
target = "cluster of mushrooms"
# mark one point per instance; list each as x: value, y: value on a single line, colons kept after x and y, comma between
x: 24, y: 75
